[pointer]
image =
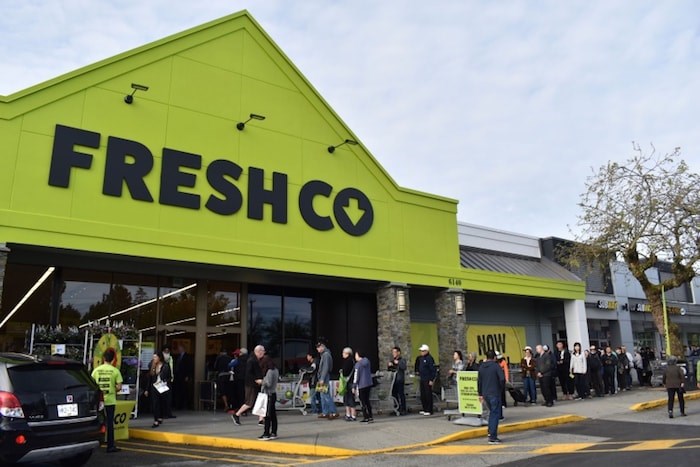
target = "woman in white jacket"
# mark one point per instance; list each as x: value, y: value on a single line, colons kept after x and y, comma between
x: 578, y: 368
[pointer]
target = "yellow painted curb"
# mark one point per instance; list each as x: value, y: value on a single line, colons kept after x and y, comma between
x: 328, y: 451
x: 662, y: 402
x: 242, y: 444
x: 482, y: 431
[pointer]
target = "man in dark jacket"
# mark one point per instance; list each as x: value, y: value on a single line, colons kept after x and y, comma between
x: 253, y: 381
x: 490, y: 384
x: 426, y: 371
x: 398, y: 364
x: 594, y: 368
x: 544, y: 367
x: 609, y: 369
x: 563, y: 370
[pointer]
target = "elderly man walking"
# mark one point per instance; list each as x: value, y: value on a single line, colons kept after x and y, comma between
x: 253, y: 382
x: 490, y: 384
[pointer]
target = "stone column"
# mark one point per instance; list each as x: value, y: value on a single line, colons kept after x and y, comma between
x: 393, y: 326
x: 4, y: 252
x: 452, y: 328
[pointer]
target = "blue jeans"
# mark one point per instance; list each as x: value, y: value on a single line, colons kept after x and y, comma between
x: 312, y: 399
x: 327, y: 404
x: 493, y: 402
x: 530, y: 389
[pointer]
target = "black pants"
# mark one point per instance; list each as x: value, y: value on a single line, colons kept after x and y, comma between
x: 609, y: 379
x: 671, y: 394
x: 546, y: 388
x: 565, y: 381
x: 271, y: 417
x: 596, y: 382
x: 157, y: 403
x: 364, y: 400
x: 426, y: 396
x: 399, y: 393
x: 109, y: 414
x: 580, y: 382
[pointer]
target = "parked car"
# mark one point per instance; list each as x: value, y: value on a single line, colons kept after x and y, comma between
x: 50, y: 410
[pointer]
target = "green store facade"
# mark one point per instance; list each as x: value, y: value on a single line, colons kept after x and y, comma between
x: 162, y: 211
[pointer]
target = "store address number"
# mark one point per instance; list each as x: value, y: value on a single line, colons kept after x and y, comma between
x: 454, y: 282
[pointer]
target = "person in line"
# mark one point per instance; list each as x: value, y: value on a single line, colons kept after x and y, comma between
x: 238, y: 366
x: 529, y: 373
x: 638, y: 364
x: 168, y: 399
x: 609, y: 369
x: 109, y: 379
x: 224, y: 378
x: 563, y: 370
x: 622, y: 368
x: 362, y: 382
x: 628, y: 371
x: 544, y: 368
x: 184, y: 371
x: 595, y: 365
x: 674, y: 381
x: 457, y: 365
x: 503, y: 363
x: 398, y: 391
x: 253, y: 381
x: 490, y: 384
x: 310, y: 374
x: 269, y: 387
x: 471, y: 364
x: 346, y: 370
x: 579, y: 367
x: 325, y: 366
x: 159, y: 374
x: 427, y: 373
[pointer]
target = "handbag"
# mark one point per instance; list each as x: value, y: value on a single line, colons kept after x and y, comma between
x: 342, y: 385
x: 260, y: 406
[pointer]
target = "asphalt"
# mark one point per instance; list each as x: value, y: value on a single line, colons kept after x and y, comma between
x: 308, y: 435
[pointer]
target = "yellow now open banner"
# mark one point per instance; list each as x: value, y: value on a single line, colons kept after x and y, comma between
x: 509, y: 340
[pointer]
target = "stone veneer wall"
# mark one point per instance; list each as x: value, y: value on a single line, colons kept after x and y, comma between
x: 4, y: 251
x: 393, y: 327
x: 452, y: 329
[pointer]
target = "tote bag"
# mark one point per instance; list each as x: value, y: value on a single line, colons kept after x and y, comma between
x: 260, y: 407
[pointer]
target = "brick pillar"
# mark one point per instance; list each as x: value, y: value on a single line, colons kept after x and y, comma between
x: 393, y: 326
x: 4, y: 252
x: 452, y: 328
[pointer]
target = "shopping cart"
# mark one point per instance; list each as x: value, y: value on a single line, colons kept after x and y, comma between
x: 380, y: 396
x: 290, y: 394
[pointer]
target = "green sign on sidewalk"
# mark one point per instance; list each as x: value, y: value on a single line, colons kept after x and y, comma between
x: 468, y: 392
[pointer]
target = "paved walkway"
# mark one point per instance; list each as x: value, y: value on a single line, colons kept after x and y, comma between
x: 308, y: 435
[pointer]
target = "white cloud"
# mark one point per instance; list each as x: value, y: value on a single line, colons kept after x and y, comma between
x: 502, y: 105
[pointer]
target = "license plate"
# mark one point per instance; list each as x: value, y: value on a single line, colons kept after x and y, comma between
x: 67, y: 410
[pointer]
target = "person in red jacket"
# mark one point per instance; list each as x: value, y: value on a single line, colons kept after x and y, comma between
x: 503, y: 363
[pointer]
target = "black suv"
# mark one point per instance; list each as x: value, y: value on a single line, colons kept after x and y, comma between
x: 50, y: 410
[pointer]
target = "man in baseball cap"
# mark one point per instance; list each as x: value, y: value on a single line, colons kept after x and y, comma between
x: 427, y: 373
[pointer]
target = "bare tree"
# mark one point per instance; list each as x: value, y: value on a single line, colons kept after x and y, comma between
x: 644, y: 211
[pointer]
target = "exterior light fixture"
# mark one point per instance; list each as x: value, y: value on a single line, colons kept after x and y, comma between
x: 400, y: 300
x: 331, y: 149
x: 459, y: 304
x: 241, y: 125
x: 129, y: 98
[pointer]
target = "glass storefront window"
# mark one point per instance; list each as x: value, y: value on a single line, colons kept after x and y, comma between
x: 177, y: 302
x: 223, y: 304
x: 266, y: 323
x: 297, y: 332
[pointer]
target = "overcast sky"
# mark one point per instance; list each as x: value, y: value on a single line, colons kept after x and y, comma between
x: 503, y: 105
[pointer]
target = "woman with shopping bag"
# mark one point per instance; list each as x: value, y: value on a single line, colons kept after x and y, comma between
x: 268, y: 390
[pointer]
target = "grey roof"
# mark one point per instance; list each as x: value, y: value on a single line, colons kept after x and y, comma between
x: 485, y: 260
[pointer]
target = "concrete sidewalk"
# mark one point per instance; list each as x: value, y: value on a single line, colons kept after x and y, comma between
x: 308, y: 435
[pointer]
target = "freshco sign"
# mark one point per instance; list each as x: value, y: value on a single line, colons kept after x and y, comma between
x: 128, y: 162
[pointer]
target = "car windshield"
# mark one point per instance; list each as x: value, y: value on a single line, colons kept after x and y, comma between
x: 43, y: 378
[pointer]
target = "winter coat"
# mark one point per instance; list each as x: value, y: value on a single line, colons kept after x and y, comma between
x: 578, y: 364
x: 492, y: 380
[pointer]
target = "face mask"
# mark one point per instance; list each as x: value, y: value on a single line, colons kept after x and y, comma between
x: 166, y: 355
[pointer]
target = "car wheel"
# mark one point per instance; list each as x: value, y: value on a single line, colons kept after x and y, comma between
x: 77, y: 460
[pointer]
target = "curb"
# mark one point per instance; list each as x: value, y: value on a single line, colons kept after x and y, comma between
x: 274, y: 447
x: 328, y: 451
x: 689, y: 396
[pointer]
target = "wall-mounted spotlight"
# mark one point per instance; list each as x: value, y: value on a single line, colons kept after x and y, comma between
x: 332, y: 149
x: 400, y: 300
x: 459, y: 304
x: 129, y: 98
x: 241, y: 125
